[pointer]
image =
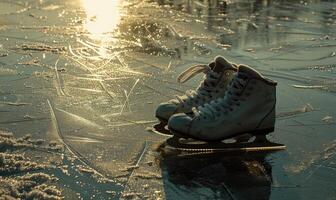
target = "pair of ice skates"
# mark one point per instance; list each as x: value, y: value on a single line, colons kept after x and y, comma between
x: 232, y: 101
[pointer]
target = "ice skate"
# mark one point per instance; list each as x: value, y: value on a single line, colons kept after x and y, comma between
x: 233, y: 145
x: 248, y: 107
x: 217, y: 76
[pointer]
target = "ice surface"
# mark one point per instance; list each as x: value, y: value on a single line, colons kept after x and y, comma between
x: 83, y: 79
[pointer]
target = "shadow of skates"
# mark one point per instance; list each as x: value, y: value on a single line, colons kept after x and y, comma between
x: 215, y: 175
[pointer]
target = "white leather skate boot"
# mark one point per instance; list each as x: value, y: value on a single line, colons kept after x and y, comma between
x: 247, y: 107
x: 218, y: 75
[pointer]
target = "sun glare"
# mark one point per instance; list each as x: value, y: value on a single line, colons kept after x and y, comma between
x: 102, y: 16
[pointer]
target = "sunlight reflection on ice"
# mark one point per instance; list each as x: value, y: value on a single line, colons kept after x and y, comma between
x: 102, y: 17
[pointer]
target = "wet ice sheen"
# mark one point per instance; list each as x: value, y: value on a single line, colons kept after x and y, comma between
x: 105, y: 66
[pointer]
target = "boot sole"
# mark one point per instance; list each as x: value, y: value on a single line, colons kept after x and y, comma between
x: 257, y: 133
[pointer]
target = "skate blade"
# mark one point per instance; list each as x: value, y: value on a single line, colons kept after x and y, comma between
x: 191, y: 145
x: 161, y: 129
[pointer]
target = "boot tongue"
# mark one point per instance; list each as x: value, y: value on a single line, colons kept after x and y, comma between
x: 222, y: 64
x: 246, y: 71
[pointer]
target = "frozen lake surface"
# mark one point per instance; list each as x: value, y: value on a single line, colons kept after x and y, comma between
x: 83, y: 78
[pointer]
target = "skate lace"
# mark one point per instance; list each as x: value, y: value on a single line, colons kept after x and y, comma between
x: 222, y: 105
x: 204, y: 90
